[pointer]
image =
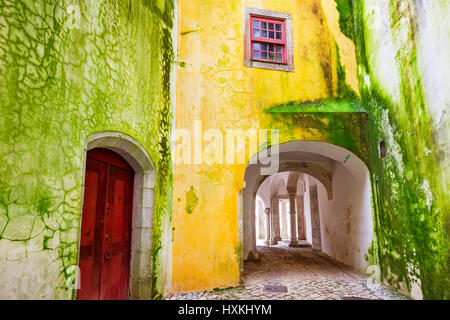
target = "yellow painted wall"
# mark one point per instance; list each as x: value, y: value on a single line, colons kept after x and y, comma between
x: 214, y: 87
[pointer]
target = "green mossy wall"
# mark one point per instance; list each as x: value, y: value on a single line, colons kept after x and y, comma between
x: 410, y: 185
x: 345, y: 129
x: 61, y: 80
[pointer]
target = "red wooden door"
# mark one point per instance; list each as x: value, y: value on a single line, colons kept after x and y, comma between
x: 106, y: 227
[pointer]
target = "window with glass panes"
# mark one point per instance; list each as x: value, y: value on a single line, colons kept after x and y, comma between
x: 268, y: 38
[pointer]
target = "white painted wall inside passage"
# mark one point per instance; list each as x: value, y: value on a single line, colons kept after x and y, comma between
x: 346, y: 220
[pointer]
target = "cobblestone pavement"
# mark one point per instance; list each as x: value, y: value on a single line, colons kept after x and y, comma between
x: 307, y: 275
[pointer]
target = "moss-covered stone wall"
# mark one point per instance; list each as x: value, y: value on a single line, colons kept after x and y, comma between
x: 402, y: 50
x: 69, y: 69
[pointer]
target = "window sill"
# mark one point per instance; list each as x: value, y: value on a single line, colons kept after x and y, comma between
x: 262, y: 64
x: 270, y: 62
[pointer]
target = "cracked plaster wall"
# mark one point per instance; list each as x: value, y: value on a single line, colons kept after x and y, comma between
x: 69, y: 69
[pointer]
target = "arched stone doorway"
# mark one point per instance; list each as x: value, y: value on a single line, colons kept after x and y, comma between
x: 340, y: 193
x: 106, y: 227
x: 142, y: 209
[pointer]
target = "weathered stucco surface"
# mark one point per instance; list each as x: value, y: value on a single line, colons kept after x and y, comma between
x: 215, y: 89
x: 402, y: 50
x: 69, y: 69
x: 365, y: 71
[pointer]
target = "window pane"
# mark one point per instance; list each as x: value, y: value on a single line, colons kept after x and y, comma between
x: 267, y: 41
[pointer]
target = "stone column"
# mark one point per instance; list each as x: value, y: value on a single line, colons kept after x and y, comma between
x: 275, y: 221
x: 293, y: 215
x: 301, y: 218
x: 267, y: 212
x: 261, y: 226
x: 315, y: 218
x: 284, y: 221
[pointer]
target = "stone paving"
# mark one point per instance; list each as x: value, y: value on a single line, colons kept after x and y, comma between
x: 307, y: 274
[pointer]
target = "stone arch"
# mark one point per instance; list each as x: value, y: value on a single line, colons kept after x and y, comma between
x: 318, y: 172
x: 277, y: 185
x: 317, y: 159
x: 293, y: 181
x: 143, y: 201
x: 351, y: 161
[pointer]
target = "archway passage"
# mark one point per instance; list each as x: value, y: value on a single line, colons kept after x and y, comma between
x: 306, y: 227
x: 106, y: 227
x: 319, y: 196
x: 290, y: 215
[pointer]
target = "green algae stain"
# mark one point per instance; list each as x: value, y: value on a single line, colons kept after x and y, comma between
x: 44, y: 204
x: 165, y: 169
x: 239, y: 252
x: 325, y: 105
x: 345, y: 9
x: 191, y: 200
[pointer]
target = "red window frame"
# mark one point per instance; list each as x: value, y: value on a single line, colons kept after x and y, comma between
x: 266, y: 41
